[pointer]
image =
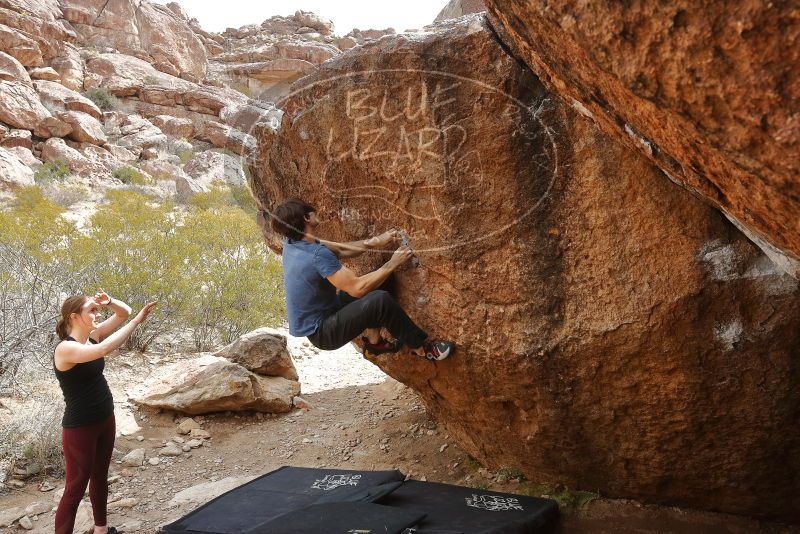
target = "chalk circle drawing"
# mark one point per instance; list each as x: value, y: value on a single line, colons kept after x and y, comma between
x: 419, y: 140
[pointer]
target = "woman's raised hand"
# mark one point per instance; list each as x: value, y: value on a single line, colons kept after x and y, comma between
x: 144, y: 312
x: 101, y: 298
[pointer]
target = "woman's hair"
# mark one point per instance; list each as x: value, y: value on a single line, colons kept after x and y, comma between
x: 288, y: 219
x: 70, y: 306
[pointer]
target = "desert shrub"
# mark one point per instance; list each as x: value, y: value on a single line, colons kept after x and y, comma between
x: 185, y: 155
x: 36, y: 273
x: 33, y: 435
x: 237, y: 281
x: 50, y: 171
x: 244, y: 198
x: 103, y: 98
x: 64, y: 196
x: 130, y: 176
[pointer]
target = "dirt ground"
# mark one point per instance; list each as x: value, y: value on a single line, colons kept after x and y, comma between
x: 358, y: 419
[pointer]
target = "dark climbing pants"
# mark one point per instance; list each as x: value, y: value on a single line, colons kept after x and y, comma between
x: 87, y: 454
x: 377, y: 309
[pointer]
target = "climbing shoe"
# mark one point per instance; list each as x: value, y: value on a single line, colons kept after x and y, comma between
x: 438, y: 350
x: 382, y: 347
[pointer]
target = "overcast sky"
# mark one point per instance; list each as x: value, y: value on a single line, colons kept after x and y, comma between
x: 216, y: 15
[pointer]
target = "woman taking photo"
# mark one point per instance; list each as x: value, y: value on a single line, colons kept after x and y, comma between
x: 88, y: 424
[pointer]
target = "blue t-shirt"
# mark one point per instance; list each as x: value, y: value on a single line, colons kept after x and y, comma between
x: 310, y: 297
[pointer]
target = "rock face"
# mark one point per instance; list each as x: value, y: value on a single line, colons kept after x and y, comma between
x: 141, y: 29
x: 614, y: 332
x: 707, y: 90
x: 262, y: 351
x: 13, y: 171
x: 459, y: 8
x: 210, y: 384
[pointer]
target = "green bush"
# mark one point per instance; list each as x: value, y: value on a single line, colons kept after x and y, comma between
x: 130, y: 176
x: 185, y: 155
x: 206, y: 264
x: 51, y: 171
x: 103, y: 98
x: 244, y: 198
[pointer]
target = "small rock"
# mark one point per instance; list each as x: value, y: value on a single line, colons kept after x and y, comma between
x: 443, y: 447
x: 135, y: 458
x: 129, y: 502
x: 178, y: 439
x: 171, y: 449
x: 154, y: 461
x: 139, y: 438
x: 46, y: 486
x: 185, y: 448
x: 26, y: 523
x: 194, y: 443
x: 300, y: 402
x: 199, y: 433
x: 306, y: 440
x: 187, y: 425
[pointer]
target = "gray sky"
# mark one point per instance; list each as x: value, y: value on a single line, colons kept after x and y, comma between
x: 345, y: 14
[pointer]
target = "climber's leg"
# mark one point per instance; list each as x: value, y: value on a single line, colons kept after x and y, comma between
x: 376, y: 310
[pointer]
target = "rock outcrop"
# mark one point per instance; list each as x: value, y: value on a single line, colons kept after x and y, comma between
x: 614, y: 332
x: 262, y: 61
x: 707, y: 90
x: 143, y: 29
x: 459, y: 8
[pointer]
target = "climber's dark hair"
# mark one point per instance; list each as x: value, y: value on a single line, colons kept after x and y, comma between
x: 288, y: 219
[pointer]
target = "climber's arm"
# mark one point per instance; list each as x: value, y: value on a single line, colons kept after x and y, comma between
x: 357, y: 286
x: 350, y: 249
x: 386, y: 240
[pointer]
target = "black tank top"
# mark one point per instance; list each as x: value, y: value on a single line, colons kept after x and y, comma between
x: 86, y: 392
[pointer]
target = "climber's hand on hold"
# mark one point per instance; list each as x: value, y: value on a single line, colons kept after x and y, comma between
x: 386, y: 240
x: 400, y: 256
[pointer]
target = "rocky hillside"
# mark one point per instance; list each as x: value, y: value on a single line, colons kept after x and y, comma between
x: 100, y: 86
x: 615, y: 332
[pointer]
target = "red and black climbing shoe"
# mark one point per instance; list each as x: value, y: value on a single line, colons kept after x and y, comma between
x: 438, y: 350
x: 381, y: 347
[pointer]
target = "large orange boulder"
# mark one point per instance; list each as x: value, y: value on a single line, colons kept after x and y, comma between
x: 708, y: 90
x: 614, y: 332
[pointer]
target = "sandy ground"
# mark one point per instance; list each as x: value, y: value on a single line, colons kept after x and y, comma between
x: 359, y: 419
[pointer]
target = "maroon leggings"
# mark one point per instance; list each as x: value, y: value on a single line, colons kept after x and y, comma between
x: 87, y: 453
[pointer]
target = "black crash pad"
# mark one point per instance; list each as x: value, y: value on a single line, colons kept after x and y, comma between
x: 296, y: 500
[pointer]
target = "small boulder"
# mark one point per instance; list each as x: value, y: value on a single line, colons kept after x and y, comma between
x: 45, y: 73
x: 85, y: 128
x: 15, y: 138
x: 52, y: 127
x: 199, y: 433
x: 13, y: 172
x: 174, y: 126
x: 135, y: 458
x: 171, y: 449
x: 56, y: 98
x: 188, y: 425
x: 210, y: 384
x: 263, y: 351
x: 211, y: 167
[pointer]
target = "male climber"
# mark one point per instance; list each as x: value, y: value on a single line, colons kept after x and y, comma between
x: 329, y: 319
